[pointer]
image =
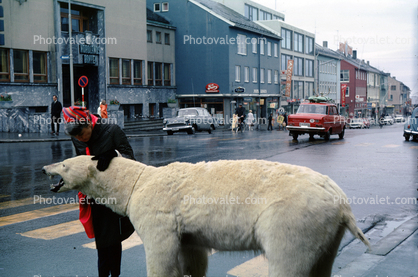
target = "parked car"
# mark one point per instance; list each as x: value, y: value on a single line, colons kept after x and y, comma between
x: 371, y: 120
x: 190, y: 120
x: 411, y: 126
x: 356, y: 123
x: 399, y: 118
x: 387, y: 120
x: 318, y: 117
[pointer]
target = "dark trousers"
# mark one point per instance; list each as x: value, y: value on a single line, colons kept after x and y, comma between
x: 110, y: 260
x: 54, y: 119
x: 270, y: 126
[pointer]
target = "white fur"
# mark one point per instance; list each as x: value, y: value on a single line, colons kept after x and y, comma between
x: 298, y: 226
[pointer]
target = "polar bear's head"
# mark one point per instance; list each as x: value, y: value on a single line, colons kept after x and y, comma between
x: 77, y: 173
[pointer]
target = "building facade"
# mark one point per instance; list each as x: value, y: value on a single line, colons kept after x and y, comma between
x: 222, y: 59
x: 112, y: 53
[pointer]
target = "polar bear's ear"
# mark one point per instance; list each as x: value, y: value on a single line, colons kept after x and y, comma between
x: 92, y: 170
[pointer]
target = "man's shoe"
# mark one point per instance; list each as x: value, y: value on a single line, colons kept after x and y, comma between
x: 52, y: 133
x: 57, y: 133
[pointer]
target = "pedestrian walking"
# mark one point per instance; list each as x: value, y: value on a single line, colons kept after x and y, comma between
x: 250, y: 119
x: 270, y: 126
x: 103, y: 109
x: 91, y: 135
x: 56, y: 108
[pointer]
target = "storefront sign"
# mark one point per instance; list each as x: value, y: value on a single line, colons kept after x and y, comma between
x: 212, y: 88
x: 89, y: 49
x: 261, y: 102
x: 240, y: 90
x: 343, y: 90
x: 90, y: 59
x: 248, y: 99
x: 289, y: 77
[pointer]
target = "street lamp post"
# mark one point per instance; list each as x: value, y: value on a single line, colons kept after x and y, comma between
x: 71, y: 54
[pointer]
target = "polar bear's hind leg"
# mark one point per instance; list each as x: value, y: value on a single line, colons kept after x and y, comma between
x: 193, y: 260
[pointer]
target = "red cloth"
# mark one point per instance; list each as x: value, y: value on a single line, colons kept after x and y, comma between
x: 85, y: 208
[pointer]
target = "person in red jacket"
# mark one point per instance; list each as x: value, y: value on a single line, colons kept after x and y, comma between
x: 91, y: 135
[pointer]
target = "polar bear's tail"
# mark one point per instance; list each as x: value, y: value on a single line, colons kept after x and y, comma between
x: 350, y: 222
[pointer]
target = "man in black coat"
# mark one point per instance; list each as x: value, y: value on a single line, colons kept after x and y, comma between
x: 93, y: 136
x: 56, y: 108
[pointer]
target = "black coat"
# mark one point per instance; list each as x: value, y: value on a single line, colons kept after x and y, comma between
x: 56, y: 108
x: 109, y: 227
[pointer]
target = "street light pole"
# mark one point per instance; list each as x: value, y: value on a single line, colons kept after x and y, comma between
x: 71, y: 54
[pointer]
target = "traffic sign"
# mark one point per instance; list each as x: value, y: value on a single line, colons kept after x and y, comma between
x: 65, y: 57
x: 83, y: 81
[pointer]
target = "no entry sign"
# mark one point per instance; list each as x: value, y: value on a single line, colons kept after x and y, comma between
x: 83, y: 81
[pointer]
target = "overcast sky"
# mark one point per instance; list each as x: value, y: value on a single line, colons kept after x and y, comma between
x: 384, y: 32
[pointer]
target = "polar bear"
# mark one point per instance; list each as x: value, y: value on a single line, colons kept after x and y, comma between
x: 294, y: 215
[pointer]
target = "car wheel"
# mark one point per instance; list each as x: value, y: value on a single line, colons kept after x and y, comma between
x: 210, y: 130
x: 406, y: 137
x: 327, y: 135
x: 295, y: 136
x: 170, y: 133
x: 341, y: 135
x: 212, y: 127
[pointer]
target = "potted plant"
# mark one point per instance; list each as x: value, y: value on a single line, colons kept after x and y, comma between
x: 6, y: 101
x: 171, y: 103
x: 113, y: 105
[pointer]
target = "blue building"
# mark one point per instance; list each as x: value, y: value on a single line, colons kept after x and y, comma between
x: 222, y: 58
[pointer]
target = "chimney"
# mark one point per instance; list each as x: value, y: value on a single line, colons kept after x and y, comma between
x: 325, y: 44
x: 354, y: 54
x: 368, y: 63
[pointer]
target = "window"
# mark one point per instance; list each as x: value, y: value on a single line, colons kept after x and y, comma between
x: 287, y: 39
x: 157, y: 7
x: 165, y: 7
x: 158, y: 74
x: 297, y: 90
x: 262, y: 46
x: 345, y: 76
x: 276, y: 76
x: 269, y: 48
x: 242, y: 46
x: 126, y: 72
x: 309, y: 70
x: 285, y: 59
x: 309, y: 89
x: 298, y: 67
x: 40, y: 67
x: 262, y: 75
x: 254, y: 74
x: 149, y: 35
x: 114, y: 71
x: 254, y: 44
x: 393, y: 87
x: 347, y: 92
x: 150, y: 70
x: 79, y: 20
x: 251, y: 12
x: 137, y: 72
x: 309, y: 45
x: 269, y: 76
x: 158, y: 37
x: 237, y: 73
x: 276, y: 50
x: 21, y: 65
x: 167, y: 39
x: 298, y: 42
x: 4, y: 65
x: 265, y: 15
x: 246, y: 74
x: 167, y: 74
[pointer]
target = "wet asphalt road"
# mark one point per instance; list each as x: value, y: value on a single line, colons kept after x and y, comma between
x: 366, y: 164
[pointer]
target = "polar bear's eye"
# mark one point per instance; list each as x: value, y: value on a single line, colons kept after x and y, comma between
x: 63, y: 165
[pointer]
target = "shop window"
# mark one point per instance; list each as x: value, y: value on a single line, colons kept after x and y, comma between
x: 21, y: 65
x: 167, y: 74
x: 114, y: 71
x: 40, y: 67
x: 126, y: 72
x: 137, y: 72
x: 158, y: 74
x: 4, y: 65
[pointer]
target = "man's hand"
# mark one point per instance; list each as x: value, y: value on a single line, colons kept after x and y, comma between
x: 104, y: 159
